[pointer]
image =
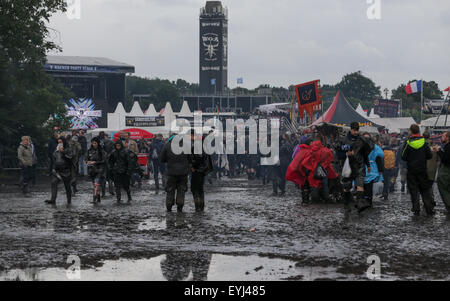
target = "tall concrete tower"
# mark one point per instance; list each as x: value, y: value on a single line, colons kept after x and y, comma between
x: 213, y: 47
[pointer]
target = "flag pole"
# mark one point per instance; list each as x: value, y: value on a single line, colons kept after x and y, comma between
x: 421, y: 102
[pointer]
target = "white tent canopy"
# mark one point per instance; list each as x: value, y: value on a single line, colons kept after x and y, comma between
x: 432, y: 121
x: 136, y: 110
x: 273, y: 107
x: 395, y: 125
x: 151, y: 111
x: 360, y: 110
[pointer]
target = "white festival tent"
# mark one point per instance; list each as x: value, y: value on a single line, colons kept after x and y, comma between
x: 395, y: 125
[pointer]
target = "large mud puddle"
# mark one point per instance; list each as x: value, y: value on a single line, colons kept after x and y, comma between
x: 185, y: 266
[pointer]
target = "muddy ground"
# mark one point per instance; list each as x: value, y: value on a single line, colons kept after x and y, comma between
x: 292, y: 241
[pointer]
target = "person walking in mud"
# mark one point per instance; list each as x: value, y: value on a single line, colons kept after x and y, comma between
x: 132, y: 146
x: 120, y: 167
x: 415, y: 153
x: 108, y: 146
x: 357, y: 149
x: 444, y: 170
x: 72, y: 142
x: 62, y: 171
x: 201, y: 166
x: 96, y: 162
x: 177, y: 167
x: 25, y: 156
x: 156, y: 148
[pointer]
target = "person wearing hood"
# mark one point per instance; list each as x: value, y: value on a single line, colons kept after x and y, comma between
x: 96, y: 162
x: 25, y: 156
x: 121, y: 167
x: 318, y: 164
x: 178, y: 167
x: 357, y: 148
x: 62, y: 171
x: 156, y: 148
x: 416, y: 153
x: 108, y: 146
x: 297, y: 173
x: 374, y: 174
x: 72, y: 142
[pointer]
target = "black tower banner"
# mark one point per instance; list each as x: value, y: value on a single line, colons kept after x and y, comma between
x: 213, y: 48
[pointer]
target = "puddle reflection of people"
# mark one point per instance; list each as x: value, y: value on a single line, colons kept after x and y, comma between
x: 176, y: 221
x: 177, y: 266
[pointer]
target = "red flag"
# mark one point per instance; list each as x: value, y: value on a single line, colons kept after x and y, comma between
x: 447, y: 90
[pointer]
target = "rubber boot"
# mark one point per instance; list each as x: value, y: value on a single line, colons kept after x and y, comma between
x: 69, y: 197
x: 129, y: 196
x: 118, y: 195
x: 54, y: 194
x: 103, y: 190
x: 94, y: 199
x: 202, y: 202
x: 99, y: 199
x: 348, y: 199
x: 361, y: 202
x: 170, y: 200
x: 180, y: 199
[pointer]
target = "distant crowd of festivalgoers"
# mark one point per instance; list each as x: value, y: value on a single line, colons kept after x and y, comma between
x: 348, y: 167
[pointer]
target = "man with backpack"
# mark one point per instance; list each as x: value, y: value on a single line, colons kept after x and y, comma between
x: 416, y: 153
x: 154, y: 155
x: 390, y: 169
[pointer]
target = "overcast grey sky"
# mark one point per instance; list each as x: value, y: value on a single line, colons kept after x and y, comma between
x: 278, y: 42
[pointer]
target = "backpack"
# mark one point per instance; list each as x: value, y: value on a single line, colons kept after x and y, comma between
x: 389, y: 159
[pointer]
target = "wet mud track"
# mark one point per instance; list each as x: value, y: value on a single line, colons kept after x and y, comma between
x: 290, y: 241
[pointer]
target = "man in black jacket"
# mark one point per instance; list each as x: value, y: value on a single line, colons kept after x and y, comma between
x: 108, y: 146
x: 177, y: 167
x: 121, y: 167
x: 201, y: 166
x: 62, y: 170
x: 443, y: 179
x: 416, y: 152
x: 357, y: 149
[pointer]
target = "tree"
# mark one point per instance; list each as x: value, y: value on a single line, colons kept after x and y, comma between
x: 28, y: 95
x: 358, y: 88
x: 160, y: 91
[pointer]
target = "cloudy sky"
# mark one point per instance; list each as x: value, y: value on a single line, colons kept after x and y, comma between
x: 278, y: 42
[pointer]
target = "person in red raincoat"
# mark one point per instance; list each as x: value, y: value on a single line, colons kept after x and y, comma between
x: 297, y: 174
x: 304, y: 165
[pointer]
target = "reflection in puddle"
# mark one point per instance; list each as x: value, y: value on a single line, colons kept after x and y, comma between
x: 185, y: 266
x: 153, y: 224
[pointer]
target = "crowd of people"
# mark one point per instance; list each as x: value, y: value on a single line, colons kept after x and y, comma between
x: 349, y: 168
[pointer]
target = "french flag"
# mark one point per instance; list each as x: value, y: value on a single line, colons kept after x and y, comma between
x: 414, y: 87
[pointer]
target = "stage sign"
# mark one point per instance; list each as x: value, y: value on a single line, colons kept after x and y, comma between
x: 386, y: 108
x: 309, y: 97
x: 144, y: 121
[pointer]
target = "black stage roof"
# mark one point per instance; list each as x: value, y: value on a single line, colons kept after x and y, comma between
x: 59, y: 63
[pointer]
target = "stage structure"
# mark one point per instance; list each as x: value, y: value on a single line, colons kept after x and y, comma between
x: 98, y: 84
